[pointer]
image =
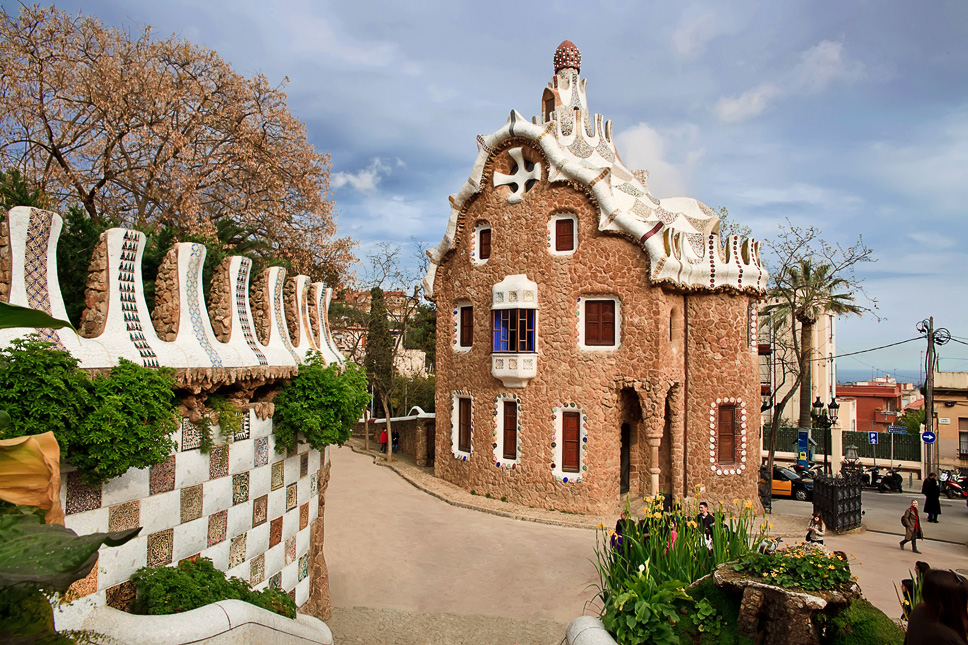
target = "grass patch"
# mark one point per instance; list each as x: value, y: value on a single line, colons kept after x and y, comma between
x: 863, y: 624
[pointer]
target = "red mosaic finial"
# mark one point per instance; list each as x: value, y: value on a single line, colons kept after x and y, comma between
x: 567, y: 55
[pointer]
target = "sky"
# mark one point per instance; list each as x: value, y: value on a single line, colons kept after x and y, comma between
x: 850, y: 116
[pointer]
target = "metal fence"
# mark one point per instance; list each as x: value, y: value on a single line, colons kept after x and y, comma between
x: 786, y: 440
x: 907, y: 447
x: 839, y: 499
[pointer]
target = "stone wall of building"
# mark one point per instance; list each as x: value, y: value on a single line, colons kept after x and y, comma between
x: 165, y: 314
x: 416, y: 434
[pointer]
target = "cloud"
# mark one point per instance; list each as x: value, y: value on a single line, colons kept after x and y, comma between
x: 670, y: 157
x: 932, y: 239
x: 366, y: 180
x: 819, y: 67
x: 692, y: 34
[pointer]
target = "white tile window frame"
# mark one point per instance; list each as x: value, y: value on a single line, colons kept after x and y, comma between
x: 475, y: 242
x: 460, y: 304
x: 581, y: 323
x: 455, y: 450
x: 552, y: 224
x: 740, y: 429
x: 498, y: 453
x: 557, y: 446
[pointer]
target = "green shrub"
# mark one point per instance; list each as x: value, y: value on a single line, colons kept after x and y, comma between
x: 797, y: 567
x: 863, y: 624
x: 714, y: 621
x: 323, y: 403
x: 196, y: 583
x: 104, y: 426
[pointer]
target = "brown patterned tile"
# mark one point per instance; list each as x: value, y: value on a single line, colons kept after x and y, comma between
x: 161, y: 477
x: 191, y: 503
x: 83, y: 587
x: 159, y: 548
x: 257, y: 569
x: 122, y: 517
x: 275, y: 532
x: 278, y: 474
x: 80, y: 496
x: 303, y: 465
x: 240, y: 488
x: 275, y: 582
x: 191, y: 435
x: 237, y: 551
x: 260, y: 510
x: 191, y: 558
x: 121, y: 596
x: 290, y: 549
x: 217, y: 525
x: 218, y: 462
x: 291, y: 496
x: 304, y: 516
x: 261, y: 452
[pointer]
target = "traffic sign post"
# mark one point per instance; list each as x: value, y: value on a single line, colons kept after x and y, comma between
x: 928, y: 437
x: 872, y: 438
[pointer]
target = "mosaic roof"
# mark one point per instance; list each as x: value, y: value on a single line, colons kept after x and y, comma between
x: 680, y: 234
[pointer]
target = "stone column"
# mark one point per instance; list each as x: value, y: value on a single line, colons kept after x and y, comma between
x: 318, y: 604
x: 678, y: 437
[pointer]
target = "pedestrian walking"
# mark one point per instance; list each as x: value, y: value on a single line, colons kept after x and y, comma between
x: 815, y: 528
x: 911, y: 522
x: 931, y: 490
x: 383, y: 441
x: 941, y: 618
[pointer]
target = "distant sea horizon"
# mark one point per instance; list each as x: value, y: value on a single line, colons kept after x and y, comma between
x: 854, y: 374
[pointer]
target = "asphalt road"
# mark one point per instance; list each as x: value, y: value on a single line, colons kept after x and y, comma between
x: 882, y: 513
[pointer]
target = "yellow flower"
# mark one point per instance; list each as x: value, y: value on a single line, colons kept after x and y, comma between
x: 831, y: 567
x: 770, y: 525
x: 657, y: 515
x: 601, y: 526
x: 748, y: 503
x: 691, y: 524
x: 648, y: 499
x: 735, y: 502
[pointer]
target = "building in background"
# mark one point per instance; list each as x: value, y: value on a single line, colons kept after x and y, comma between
x: 951, y: 418
x: 879, y: 402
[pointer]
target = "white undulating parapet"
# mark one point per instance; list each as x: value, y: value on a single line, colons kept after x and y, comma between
x: 128, y: 331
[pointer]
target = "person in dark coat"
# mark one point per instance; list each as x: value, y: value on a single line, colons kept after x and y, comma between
x: 911, y: 522
x: 931, y: 490
x: 941, y: 618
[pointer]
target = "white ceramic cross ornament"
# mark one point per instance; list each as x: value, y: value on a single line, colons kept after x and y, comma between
x: 520, y: 178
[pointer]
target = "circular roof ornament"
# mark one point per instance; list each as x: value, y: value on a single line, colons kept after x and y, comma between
x: 567, y: 55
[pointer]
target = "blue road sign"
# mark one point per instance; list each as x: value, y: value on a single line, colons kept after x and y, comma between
x: 928, y: 437
x: 894, y: 429
x: 872, y: 438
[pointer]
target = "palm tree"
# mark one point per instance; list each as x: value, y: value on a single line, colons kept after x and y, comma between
x: 803, y: 292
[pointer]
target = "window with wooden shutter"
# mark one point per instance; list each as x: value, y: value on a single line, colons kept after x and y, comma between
x: 464, y: 425
x: 513, y: 330
x: 466, y: 326
x: 510, y: 430
x: 565, y: 235
x: 727, y: 434
x: 570, y: 442
x: 484, y: 244
x: 600, y: 322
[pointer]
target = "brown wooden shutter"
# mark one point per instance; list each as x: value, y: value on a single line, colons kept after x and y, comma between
x: 570, y: 442
x: 466, y: 326
x: 727, y: 434
x: 485, y: 251
x: 464, y: 425
x: 564, y: 235
x: 599, y: 322
x: 510, y: 430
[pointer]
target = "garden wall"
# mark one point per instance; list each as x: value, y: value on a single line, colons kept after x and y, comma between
x: 416, y: 435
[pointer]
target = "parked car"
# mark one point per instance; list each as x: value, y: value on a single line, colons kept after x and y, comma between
x: 787, y: 483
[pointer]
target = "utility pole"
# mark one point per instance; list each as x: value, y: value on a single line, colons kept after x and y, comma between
x: 939, y: 337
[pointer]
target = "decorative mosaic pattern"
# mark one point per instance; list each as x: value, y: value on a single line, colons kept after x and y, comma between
x: 218, y: 462
x: 243, y: 432
x: 557, y: 414
x: 455, y: 425
x: 290, y: 549
x: 303, y: 566
x: 257, y: 569
x: 161, y: 477
x: 83, y: 587
x: 498, y: 443
x: 242, y: 309
x: 261, y: 446
x: 191, y: 503
x: 159, y: 548
x: 291, y: 497
x: 314, y: 484
x: 191, y: 558
x: 217, y: 525
x: 125, y: 516
x: 121, y: 596
x: 275, y: 582
x: 237, y: 551
x: 193, y: 297
x: 523, y: 177
x: 278, y: 475
x: 306, y: 320
x: 80, y: 496
x: 474, y: 240
x: 35, y: 269
x: 740, y: 436
x: 260, y: 510
x: 240, y: 488
x: 304, y: 516
x: 281, y: 317
x: 303, y: 465
x: 752, y: 317
x: 129, y: 298
x: 275, y: 532
x: 191, y: 435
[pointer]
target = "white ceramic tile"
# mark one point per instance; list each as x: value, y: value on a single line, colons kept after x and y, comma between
x: 131, y: 485
x: 240, y: 519
x: 217, y: 495
x: 275, y: 559
x: 302, y: 591
x: 313, y: 509
x: 256, y: 542
x: 314, y: 461
x: 302, y: 491
x: 302, y: 541
x: 219, y: 554
x: 259, y: 427
x: 95, y: 521
x: 160, y: 511
x: 292, y: 469
x: 117, y: 563
x: 260, y: 481
x: 241, y: 454
x: 191, y: 467
x: 290, y: 575
x: 277, y: 503
x: 290, y: 523
x: 241, y: 571
x: 190, y: 538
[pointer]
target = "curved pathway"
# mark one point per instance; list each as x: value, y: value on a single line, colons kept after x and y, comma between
x: 390, y: 546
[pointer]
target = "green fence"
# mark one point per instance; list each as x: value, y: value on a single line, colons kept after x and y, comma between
x: 907, y: 447
x: 786, y: 440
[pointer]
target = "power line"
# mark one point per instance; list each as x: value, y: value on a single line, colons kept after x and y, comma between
x: 872, y: 349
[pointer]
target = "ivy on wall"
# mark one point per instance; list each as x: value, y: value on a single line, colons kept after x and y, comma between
x: 105, y: 425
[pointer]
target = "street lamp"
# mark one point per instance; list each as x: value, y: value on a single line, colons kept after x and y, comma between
x: 826, y: 418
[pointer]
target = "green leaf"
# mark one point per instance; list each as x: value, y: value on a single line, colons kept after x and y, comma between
x: 15, y: 316
x: 48, y: 555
